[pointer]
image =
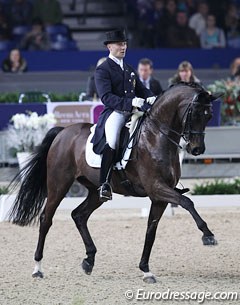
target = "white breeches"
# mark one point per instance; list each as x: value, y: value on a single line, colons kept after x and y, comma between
x: 113, y: 127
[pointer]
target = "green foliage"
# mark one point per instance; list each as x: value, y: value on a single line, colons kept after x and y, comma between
x: 12, y: 97
x: 230, y: 108
x: 218, y: 187
x: 3, y: 190
x: 61, y: 97
x: 9, y: 97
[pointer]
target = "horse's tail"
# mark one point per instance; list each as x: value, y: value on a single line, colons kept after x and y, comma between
x: 33, y: 189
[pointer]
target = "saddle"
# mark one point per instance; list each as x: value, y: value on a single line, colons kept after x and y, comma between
x: 128, y: 138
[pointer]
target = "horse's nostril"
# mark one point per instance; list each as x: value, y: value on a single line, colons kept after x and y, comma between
x: 196, y: 151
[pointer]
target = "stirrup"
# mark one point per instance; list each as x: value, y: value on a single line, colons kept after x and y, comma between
x: 105, y: 192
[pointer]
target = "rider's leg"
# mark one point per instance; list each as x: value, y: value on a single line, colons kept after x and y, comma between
x: 113, y: 127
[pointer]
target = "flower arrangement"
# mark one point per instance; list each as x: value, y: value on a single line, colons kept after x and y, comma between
x: 230, y: 90
x: 26, y: 131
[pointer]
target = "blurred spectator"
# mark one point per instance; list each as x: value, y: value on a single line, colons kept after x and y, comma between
x: 5, y: 33
x: 180, y: 35
x: 91, y: 92
x: 197, y: 22
x: 157, y: 16
x: 219, y: 9
x: 191, y: 6
x: 145, y: 71
x: 235, y: 69
x: 145, y: 25
x: 212, y: 36
x: 36, y: 39
x: 232, y: 26
x: 14, y: 63
x: 184, y: 73
x: 49, y: 11
x: 182, y: 6
x: 20, y: 12
x: 167, y: 20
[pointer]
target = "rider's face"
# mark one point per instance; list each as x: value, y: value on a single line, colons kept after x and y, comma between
x: 118, y: 49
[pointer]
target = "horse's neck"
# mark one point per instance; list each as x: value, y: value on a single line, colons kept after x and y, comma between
x: 165, y: 116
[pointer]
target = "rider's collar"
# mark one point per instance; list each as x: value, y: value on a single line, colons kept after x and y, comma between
x: 116, y: 60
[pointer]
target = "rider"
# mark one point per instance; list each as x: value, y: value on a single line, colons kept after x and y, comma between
x: 120, y: 90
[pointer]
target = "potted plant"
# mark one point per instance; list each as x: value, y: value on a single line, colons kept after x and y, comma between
x: 25, y: 132
x: 231, y: 100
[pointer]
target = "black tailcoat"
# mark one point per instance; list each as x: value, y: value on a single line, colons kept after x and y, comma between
x: 116, y: 89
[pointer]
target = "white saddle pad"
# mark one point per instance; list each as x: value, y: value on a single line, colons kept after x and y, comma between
x: 94, y: 160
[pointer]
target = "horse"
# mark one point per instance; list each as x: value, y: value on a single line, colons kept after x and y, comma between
x: 153, y: 171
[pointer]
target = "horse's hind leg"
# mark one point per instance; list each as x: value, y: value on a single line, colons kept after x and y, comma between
x: 80, y: 216
x: 53, y: 201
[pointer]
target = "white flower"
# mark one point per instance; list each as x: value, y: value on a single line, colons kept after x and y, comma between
x: 28, y: 130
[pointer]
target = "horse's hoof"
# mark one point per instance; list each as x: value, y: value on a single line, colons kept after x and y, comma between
x: 149, y: 278
x: 209, y: 241
x: 38, y: 274
x: 87, y: 267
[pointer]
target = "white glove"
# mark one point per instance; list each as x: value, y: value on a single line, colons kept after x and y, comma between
x: 138, y: 102
x: 150, y: 100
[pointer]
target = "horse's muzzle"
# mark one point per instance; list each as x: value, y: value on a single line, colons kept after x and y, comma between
x: 195, y: 150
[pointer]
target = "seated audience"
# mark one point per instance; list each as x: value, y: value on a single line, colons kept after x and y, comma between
x: 235, y: 69
x: 165, y: 22
x: 5, y: 32
x: 145, y: 71
x: 187, y: 5
x: 37, y: 39
x: 184, y: 73
x: 148, y: 14
x: 212, y: 36
x: 180, y: 35
x: 197, y: 21
x: 49, y: 11
x: 91, y: 92
x: 232, y: 26
x: 14, y: 63
x: 20, y: 12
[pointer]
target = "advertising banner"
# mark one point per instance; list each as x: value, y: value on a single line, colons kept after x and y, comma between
x: 68, y: 113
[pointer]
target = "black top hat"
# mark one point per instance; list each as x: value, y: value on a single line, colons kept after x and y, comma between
x: 118, y: 35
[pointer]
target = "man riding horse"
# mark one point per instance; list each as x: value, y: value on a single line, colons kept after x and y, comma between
x: 120, y: 89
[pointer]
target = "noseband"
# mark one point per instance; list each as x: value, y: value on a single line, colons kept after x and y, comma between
x: 187, y: 120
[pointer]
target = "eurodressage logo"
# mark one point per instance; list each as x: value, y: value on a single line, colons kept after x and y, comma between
x: 200, y: 297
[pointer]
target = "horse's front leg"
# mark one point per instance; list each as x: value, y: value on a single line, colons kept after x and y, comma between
x: 208, y: 237
x: 156, y: 212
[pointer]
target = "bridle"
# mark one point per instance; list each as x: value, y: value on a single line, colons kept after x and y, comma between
x: 186, y: 121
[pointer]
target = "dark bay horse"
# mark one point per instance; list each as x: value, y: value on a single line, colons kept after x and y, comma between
x: 154, y: 171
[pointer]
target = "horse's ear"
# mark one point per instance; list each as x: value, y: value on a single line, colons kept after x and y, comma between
x: 216, y: 96
x: 200, y: 96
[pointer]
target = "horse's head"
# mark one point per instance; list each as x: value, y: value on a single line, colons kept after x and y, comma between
x: 195, y: 119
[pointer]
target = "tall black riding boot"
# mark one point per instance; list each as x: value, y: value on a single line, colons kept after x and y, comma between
x: 105, y: 173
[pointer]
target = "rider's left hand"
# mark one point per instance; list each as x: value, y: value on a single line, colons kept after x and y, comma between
x: 146, y: 107
x: 150, y: 100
